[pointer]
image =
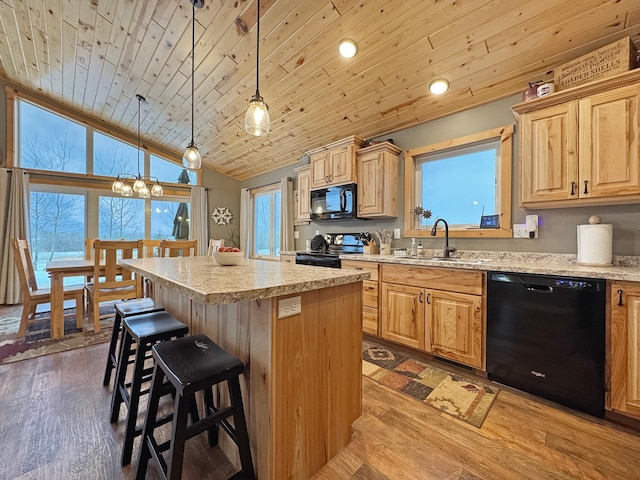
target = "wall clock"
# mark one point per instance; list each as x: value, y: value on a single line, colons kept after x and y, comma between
x: 221, y: 215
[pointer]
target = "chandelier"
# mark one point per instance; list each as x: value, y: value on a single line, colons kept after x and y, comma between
x: 126, y: 185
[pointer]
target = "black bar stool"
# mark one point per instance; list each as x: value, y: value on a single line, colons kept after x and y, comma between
x: 192, y: 364
x: 124, y: 310
x: 144, y: 331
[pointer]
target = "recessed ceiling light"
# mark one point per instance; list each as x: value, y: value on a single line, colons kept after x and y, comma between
x: 347, y: 48
x: 439, y: 86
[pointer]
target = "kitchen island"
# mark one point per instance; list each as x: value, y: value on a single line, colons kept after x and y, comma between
x: 298, y: 330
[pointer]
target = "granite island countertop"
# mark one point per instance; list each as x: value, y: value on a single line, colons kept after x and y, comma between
x: 623, y: 268
x: 202, y: 279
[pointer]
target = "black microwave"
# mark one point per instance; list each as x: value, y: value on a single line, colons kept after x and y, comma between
x: 334, y: 203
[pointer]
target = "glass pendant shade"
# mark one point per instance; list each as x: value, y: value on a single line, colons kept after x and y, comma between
x: 116, y: 186
x: 139, y: 185
x: 126, y: 191
x: 191, y: 158
x: 157, y: 190
x: 144, y: 193
x: 257, y: 121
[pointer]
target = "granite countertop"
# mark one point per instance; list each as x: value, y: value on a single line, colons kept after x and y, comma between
x: 202, y: 279
x: 623, y: 268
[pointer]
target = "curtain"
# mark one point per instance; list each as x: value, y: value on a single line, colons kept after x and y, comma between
x: 199, y: 218
x: 246, y: 214
x: 286, y: 215
x: 14, y: 208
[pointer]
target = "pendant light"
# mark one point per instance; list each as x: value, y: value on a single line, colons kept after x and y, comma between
x: 122, y: 185
x: 256, y: 121
x: 191, y: 158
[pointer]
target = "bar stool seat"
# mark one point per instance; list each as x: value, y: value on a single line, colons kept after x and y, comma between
x: 124, y: 310
x: 144, y: 331
x: 192, y: 364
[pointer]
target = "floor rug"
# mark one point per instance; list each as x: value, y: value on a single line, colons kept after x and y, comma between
x: 467, y: 400
x: 38, y: 341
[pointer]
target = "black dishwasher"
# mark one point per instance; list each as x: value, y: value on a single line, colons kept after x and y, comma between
x: 546, y: 336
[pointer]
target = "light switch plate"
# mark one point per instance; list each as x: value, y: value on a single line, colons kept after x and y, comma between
x: 396, y: 233
x: 296, y: 234
x: 288, y: 307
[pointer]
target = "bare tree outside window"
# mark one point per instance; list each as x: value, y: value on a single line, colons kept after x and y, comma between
x: 55, y: 218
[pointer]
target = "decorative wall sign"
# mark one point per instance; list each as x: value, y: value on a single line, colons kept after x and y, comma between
x: 221, y: 215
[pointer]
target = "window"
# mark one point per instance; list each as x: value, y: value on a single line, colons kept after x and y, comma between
x: 169, y: 220
x: 57, y: 222
x: 460, y: 180
x: 266, y: 222
x: 67, y: 208
x: 50, y: 142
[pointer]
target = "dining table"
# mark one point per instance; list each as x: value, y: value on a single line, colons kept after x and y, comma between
x: 58, y: 269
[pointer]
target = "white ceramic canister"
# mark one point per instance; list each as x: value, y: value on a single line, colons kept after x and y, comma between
x: 546, y: 89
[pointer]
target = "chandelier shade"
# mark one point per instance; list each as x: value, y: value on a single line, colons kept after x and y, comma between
x: 256, y: 120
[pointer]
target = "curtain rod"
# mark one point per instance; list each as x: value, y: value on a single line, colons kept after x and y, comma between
x: 268, y: 184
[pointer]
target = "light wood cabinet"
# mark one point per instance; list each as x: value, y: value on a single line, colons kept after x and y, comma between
x: 378, y: 180
x: 403, y: 319
x: 581, y: 146
x: 437, y: 310
x: 370, y: 297
x: 334, y: 164
x: 624, y: 349
x: 303, y: 204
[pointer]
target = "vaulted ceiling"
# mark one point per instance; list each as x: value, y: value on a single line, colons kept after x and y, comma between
x: 95, y: 56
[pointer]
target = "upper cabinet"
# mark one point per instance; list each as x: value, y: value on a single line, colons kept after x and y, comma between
x: 581, y: 145
x: 303, y: 203
x: 334, y: 164
x: 378, y: 180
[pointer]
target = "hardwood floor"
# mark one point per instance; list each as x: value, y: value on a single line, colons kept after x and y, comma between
x: 54, y: 424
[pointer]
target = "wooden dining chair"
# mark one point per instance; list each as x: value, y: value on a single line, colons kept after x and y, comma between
x: 178, y: 248
x: 148, y: 249
x: 32, y: 296
x: 113, y: 282
x: 214, y: 245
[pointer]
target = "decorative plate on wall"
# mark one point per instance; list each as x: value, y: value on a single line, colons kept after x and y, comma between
x: 221, y: 215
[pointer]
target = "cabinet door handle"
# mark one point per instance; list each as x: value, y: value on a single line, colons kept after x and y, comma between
x: 357, y: 268
x: 330, y: 178
x: 619, y: 298
x: 420, y: 297
x: 326, y: 179
x: 573, y: 188
x: 428, y: 299
x: 586, y: 190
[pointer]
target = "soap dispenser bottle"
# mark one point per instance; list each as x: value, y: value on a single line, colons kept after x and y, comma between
x: 420, y: 250
x: 414, y: 251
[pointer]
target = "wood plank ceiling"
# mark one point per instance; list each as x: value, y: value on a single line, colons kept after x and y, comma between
x: 94, y: 56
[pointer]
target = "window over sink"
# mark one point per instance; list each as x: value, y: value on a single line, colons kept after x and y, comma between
x: 460, y: 180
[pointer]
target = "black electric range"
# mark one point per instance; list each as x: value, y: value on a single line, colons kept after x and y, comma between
x: 330, y: 248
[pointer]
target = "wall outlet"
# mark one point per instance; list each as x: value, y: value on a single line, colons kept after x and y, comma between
x: 288, y: 307
x: 396, y: 233
x: 520, y: 230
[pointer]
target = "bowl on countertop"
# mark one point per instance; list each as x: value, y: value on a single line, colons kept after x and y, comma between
x: 228, y: 258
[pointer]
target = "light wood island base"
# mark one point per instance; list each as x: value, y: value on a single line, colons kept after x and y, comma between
x: 302, y: 390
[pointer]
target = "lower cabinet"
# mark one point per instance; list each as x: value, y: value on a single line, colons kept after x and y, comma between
x: 437, y: 310
x: 624, y: 349
x: 370, y: 297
